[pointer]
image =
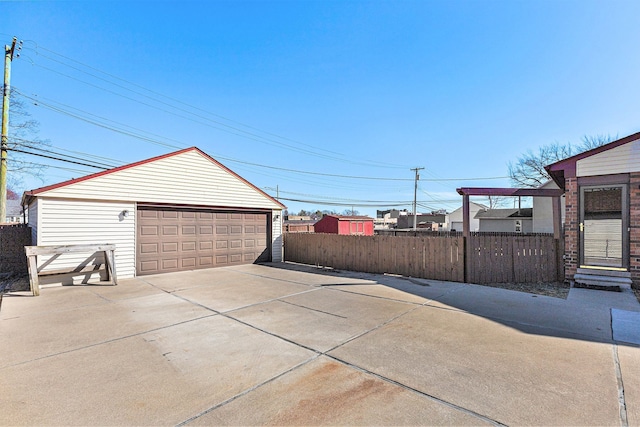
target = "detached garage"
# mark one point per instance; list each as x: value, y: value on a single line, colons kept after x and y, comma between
x: 180, y: 211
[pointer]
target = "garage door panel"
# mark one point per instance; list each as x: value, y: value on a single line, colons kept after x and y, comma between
x: 146, y: 266
x: 149, y: 248
x: 149, y: 230
x: 184, y: 239
x: 206, y: 245
x: 188, y: 230
x: 206, y: 261
x: 170, y: 264
x: 170, y: 247
x: 189, y: 262
x: 169, y: 230
x: 205, y: 230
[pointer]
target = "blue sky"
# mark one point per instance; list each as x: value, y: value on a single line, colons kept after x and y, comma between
x: 349, y: 88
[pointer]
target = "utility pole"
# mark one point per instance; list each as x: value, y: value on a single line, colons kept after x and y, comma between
x: 8, y: 57
x: 415, y: 197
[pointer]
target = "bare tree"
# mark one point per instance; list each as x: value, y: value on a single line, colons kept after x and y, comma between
x: 529, y: 171
x: 23, y: 136
x: 496, y: 202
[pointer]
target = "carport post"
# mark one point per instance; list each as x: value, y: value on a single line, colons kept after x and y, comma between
x: 465, y: 235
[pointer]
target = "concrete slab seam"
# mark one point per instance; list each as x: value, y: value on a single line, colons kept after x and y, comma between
x: 295, y: 282
x: 106, y: 342
x: 270, y: 333
x: 247, y: 391
x: 197, y: 304
x: 420, y: 393
x: 624, y: 422
x: 355, y: 337
x: 329, y: 287
x: 317, y: 354
x: 268, y: 301
x: 313, y: 309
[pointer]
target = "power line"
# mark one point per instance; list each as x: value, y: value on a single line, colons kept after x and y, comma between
x: 355, y: 203
x: 39, y: 102
x: 56, y: 158
x: 99, y: 164
x: 230, y: 129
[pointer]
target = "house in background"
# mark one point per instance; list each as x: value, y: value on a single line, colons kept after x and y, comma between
x: 602, y: 218
x: 345, y: 225
x: 14, y: 212
x: 505, y: 220
x: 543, y: 210
x: 387, y: 219
x: 454, y: 219
x: 423, y: 221
x: 179, y: 211
x: 299, y: 225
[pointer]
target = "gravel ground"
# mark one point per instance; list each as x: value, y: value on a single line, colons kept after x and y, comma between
x: 555, y: 290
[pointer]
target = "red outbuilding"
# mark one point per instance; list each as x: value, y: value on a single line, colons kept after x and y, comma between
x: 345, y: 225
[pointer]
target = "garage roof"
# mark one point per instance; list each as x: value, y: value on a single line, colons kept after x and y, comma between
x: 188, y: 176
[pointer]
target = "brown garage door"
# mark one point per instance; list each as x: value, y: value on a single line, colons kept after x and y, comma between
x: 170, y: 239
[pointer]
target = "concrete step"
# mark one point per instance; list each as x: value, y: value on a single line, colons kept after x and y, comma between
x: 603, y: 278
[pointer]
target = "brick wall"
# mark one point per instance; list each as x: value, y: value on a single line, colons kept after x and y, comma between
x: 13, y: 239
x: 634, y: 225
x: 571, y: 229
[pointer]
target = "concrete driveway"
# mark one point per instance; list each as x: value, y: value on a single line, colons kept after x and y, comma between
x: 288, y: 345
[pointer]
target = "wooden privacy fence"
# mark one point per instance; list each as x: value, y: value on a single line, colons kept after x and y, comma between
x: 432, y: 257
x: 491, y: 257
x: 514, y: 258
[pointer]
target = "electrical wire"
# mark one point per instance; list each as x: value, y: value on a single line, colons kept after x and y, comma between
x: 55, y: 158
x: 231, y: 129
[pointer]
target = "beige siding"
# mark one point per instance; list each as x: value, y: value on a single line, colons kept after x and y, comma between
x: 276, y: 236
x: 71, y: 222
x: 33, y: 221
x: 188, y: 178
x: 622, y: 159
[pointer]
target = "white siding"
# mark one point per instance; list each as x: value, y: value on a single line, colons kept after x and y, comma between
x: 543, y: 211
x: 71, y: 222
x: 455, y: 218
x: 622, y: 159
x: 33, y: 221
x: 276, y: 237
x: 505, y: 225
x: 188, y: 178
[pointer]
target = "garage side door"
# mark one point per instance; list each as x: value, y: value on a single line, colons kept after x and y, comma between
x: 171, y: 240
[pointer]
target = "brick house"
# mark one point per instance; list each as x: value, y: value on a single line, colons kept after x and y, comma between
x: 345, y: 225
x: 602, y: 216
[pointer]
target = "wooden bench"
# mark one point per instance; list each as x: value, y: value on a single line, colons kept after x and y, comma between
x: 33, y: 251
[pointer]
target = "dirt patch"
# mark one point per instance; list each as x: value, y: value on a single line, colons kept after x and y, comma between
x: 14, y: 283
x: 555, y: 290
